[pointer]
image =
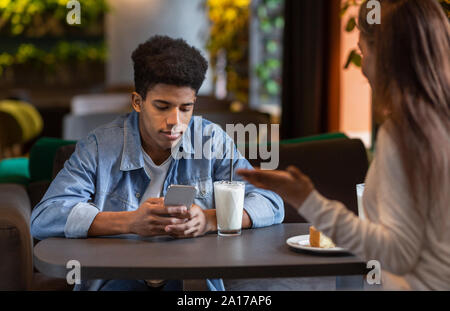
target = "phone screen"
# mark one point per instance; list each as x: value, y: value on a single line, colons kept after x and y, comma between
x: 180, y: 195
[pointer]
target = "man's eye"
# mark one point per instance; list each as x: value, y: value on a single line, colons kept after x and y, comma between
x: 162, y: 107
x: 185, y: 109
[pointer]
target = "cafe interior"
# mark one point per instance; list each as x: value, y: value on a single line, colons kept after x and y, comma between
x: 295, y: 66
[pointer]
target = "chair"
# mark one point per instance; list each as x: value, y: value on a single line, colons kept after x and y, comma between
x: 14, y: 170
x: 16, y: 243
x: 206, y: 103
x: 42, y: 156
x: 335, y: 166
x: 20, y: 122
x: 26, y: 115
x: 245, y: 117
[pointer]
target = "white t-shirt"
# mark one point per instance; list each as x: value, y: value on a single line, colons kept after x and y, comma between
x: 157, y: 176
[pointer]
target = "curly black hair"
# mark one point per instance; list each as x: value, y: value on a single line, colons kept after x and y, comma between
x: 162, y: 59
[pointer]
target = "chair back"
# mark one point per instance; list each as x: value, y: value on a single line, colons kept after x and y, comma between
x: 335, y: 167
x: 19, y: 122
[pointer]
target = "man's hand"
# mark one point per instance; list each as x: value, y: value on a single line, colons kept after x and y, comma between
x: 199, y: 222
x: 292, y: 185
x: 152, y: 217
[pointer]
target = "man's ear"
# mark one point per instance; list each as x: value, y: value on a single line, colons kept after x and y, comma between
x: 136, y: 101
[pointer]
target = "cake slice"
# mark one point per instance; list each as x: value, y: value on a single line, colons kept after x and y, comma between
x: 318, y: 239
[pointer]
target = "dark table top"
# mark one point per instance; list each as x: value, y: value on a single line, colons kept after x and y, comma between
x: 257, y: 253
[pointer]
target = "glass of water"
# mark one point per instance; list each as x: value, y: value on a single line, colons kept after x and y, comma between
x: 359, y: 195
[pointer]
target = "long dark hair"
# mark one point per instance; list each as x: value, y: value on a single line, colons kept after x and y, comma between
x: 412, y: 56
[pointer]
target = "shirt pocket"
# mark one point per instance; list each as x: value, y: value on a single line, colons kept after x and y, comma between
x: 204, y: 193
x: 204, y: 188
x: 114, y: 202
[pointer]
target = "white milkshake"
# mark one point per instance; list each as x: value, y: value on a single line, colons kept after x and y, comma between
x: 229, y: 199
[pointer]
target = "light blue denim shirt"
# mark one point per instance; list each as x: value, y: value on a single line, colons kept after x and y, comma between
x: 106, y: 173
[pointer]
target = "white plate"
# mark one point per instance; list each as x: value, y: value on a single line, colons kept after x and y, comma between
x: 302, y: 242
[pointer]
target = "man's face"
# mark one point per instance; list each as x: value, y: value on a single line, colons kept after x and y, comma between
x: 164, y: 115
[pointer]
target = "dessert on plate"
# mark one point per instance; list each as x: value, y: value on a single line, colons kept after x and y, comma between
x: 318, y: 239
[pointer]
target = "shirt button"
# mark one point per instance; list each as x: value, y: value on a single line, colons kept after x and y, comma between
x: 138, y: 195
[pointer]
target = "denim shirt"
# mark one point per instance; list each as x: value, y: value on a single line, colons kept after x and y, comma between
x: 106, y: 173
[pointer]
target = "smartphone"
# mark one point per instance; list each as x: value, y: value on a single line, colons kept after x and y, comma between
x: 180, y: 195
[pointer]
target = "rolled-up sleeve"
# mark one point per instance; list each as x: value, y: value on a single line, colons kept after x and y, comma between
x: 79, y: 220
x: 65, y: 211
x: 261, y: 211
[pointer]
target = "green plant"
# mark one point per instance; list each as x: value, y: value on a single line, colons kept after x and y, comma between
x: 355, y: 57
x: 62, y: 53
x: 38, y: 35
x: 228, y: 35
x: 37, y: 18
x: 271, y: 23
x: 446, y: 6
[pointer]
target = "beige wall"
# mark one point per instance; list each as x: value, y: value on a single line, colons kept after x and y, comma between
x: 355, y: 110
x: 132, y: 22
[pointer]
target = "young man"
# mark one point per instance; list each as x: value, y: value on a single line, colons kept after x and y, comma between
x: 115, y: 181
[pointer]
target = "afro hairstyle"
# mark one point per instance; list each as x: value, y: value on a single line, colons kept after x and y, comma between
x: 162, y: 59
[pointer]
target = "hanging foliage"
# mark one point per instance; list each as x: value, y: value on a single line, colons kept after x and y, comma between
x: 36, y: 36
x: 355, y: 57
x: 229, y: 36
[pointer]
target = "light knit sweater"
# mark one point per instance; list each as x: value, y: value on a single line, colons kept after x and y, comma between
x: 406, y: 245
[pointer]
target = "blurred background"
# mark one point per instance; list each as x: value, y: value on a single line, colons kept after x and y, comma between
x: 271, y: 61
x: 289, y: 62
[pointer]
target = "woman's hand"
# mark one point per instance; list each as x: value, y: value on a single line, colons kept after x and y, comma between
x: 292, y: 185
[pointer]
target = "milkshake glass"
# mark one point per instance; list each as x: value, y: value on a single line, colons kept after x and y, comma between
x: 229, y: 199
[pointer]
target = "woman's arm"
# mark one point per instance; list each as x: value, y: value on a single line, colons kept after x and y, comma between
x: 395, y: 232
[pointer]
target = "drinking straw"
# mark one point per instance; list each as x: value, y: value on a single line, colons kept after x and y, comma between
x: 231, y: 162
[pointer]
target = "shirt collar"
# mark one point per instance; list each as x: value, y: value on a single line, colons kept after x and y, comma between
x: 132, y: 157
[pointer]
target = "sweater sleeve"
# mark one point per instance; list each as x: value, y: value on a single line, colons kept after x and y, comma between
x: 395, y: 231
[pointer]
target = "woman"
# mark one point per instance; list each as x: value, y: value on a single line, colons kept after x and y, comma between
x: 407, y: 194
